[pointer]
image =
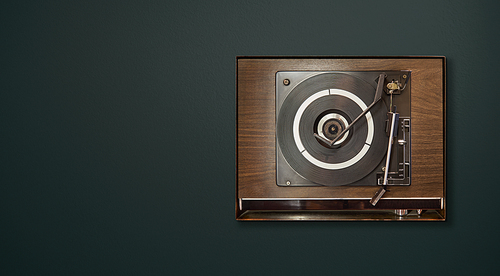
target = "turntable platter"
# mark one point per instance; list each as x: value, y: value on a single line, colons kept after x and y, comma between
x: 325, y: 104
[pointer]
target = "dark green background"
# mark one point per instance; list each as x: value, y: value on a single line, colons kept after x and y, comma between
x: 117, y: 134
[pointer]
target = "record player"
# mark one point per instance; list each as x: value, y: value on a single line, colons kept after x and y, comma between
x: 340, y: 138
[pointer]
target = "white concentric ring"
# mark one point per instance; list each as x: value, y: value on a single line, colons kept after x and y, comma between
x: 307, y: 155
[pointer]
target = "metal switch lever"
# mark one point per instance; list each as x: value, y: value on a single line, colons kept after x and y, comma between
x: 393, y: 119
x: 378, y: 195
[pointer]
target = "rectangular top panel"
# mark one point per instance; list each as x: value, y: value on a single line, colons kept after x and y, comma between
x: 256, y: 140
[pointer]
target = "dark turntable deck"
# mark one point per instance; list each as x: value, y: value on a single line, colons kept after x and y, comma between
x: 290, y: 110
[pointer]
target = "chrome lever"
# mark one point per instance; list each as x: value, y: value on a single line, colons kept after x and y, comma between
x: 394, y: 118
x: 378, y: 195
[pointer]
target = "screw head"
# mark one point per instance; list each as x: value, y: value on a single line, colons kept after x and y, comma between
x: 286, y: 82
x: 404, y: 76
x: 288, y: 183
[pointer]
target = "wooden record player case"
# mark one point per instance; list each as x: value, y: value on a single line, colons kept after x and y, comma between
x: 259, y: 198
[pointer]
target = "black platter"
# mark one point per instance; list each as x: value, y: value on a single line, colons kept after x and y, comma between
x: 324, y: 104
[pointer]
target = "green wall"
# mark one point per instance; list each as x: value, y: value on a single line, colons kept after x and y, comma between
x: 117, y: 134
